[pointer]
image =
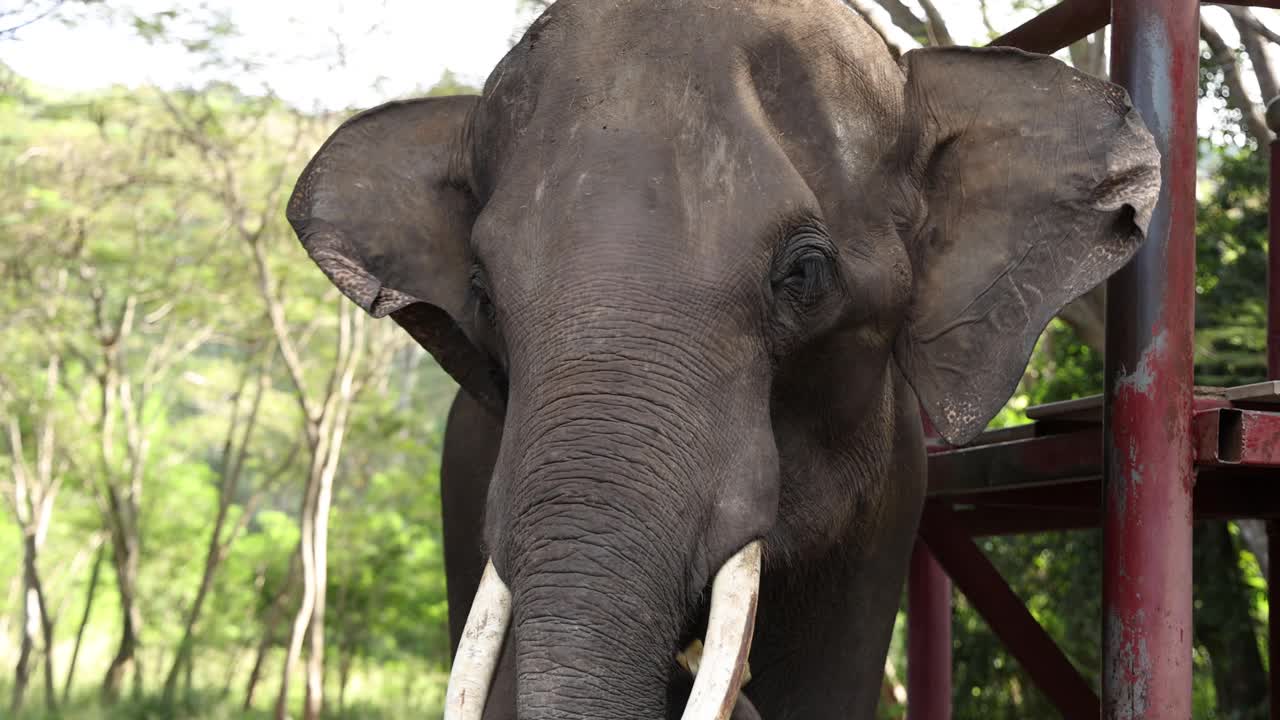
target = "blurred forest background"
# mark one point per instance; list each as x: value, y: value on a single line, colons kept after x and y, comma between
x: 188, y: 410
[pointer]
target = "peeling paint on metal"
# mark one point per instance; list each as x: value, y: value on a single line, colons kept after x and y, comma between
x: 1142, y: 376
x: 1129, y: 670
x: 1153, y: 46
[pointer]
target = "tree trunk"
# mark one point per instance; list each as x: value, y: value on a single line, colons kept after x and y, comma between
x: 1224, y: 626
x: 345, y: 660
x: 255, y: 673
x: 35, y: 624
x: 1247, y: 24
x: 1087, y: 317
x: 938, y: 33
x: 1238, y: 99
x: 125, y: 556
x: 188, y: 670
x: 907, y: 20
x: 46, y: 628
x: 320, y: 549
x: 90, y: 593
x: 326, y: 434
x: 34, y: 491
x: 1253, y: 535
x: 182, y: 655
x: 216, y: 552
x: 30, y: 629
x: 22, y: 672
x: 303, y: 616
x: 1088, y: 55
x: 233, y: 667
x: 121, y: 508
x: 274, y: 612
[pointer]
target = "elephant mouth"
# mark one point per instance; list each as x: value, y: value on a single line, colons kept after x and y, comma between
x: 690, y: 659
x: 719, y: 668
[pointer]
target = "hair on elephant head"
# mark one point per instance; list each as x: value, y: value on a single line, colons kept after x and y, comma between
x: 702, y: 264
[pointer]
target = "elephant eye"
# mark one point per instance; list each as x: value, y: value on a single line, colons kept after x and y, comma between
x: 479, y: 287
x: 807, y: 271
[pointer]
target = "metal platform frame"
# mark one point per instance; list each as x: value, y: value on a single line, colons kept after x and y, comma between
x: 1141, y: 461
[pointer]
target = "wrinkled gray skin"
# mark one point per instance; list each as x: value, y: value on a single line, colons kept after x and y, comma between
x: 697, y: 264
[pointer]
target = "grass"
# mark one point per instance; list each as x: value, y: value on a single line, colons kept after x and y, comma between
x: 374, y: 693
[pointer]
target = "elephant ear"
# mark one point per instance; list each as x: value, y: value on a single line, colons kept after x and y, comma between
x: 1036, y: 183
x: 384, y: 210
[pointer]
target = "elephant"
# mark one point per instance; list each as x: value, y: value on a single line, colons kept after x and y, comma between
x: 701, y: 268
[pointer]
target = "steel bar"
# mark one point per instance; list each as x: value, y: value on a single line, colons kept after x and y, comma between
x: 985, y: 521
x: 1006, y: 614
x: 928, y: 622
x: 1222, y: 492
x: 928, y: 638
x: 1148, y: 476
x: 1077, y: 494
x: 1072, y: 20
x: 1058, y: 27
x: 1032, y: 461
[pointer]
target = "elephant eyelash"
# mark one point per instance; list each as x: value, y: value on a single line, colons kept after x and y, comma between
x: 805, y: 268
x: 809, y: 277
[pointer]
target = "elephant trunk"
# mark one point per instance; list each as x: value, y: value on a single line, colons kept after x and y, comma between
x: 598, y: 554
x: 609, y: 486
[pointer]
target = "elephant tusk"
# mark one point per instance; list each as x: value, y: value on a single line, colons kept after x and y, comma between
x: 734, y: 593
x: 479, y: 648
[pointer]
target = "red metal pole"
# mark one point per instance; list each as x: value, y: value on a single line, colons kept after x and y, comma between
x: 1273, y: 248
x: 1148, y: 475
x: 1273, y: 373
x: 1275, y: 4
x: 1006, y: 615
x: 928, y: 638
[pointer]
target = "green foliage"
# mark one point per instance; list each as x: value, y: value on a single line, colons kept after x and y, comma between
x: 1231, y: 270
x: 134, y: 201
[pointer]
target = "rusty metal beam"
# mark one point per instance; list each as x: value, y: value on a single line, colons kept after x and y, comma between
x: 1058, y: 27
x: 928, y: 638
x: 1031, y: 461
x: 1077, y: 494
x: 1004, y: 520
x: 1218, y: 496
x: 1006, y: 614
x: 1072, y: 20
x: 1235, y: 437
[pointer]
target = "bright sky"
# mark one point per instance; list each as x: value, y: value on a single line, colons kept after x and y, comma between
x: 326, y: 53
x: 390, y: 47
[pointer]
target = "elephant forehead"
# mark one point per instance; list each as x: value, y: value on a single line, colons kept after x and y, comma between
x: 686, y: 131
x: 684, y: 69
x: 624, y: 203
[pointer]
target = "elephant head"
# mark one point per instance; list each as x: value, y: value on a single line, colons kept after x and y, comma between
x: 706, y: 260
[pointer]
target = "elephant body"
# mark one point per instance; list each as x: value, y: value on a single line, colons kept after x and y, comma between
x: 697, y: 266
